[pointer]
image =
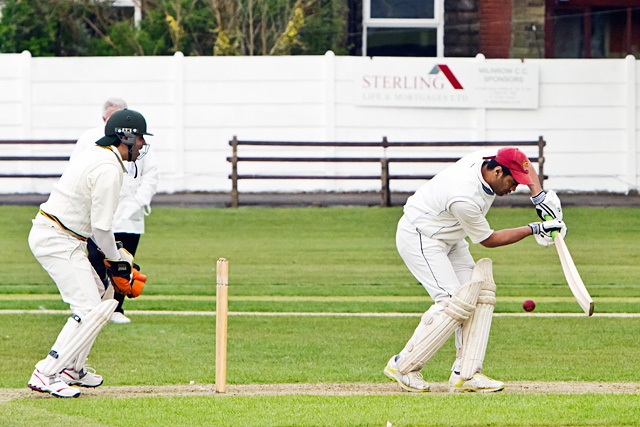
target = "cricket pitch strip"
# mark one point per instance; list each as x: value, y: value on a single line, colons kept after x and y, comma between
x: 326, y: 389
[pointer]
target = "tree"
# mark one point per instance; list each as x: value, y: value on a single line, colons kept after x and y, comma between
x: 326, y: 28
x: 194, y: 27
x: 45, y: 28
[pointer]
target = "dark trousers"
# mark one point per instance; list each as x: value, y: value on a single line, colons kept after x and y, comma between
x: 129, y: 242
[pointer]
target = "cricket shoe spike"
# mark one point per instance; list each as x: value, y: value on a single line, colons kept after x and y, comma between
x: 411, y: 381
x: 479, y: 383
x: 53, y: 385
x: 83, y: 378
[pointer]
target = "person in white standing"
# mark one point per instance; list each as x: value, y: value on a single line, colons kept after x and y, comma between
x: 139, y: 187
x: 82, y: 205
x: 431, y: 240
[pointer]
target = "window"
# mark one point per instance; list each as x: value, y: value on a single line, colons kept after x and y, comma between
x: 134, y: 5
x: 583, y: 29
x: 403, y: 28
x: 402, y: 9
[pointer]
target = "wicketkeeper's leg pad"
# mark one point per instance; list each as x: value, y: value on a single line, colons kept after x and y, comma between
x: 77, y: 339
x: 436, y: 328
x: 475, y: 331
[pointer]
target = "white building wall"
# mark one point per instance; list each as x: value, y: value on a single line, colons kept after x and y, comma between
x: 588, y: 113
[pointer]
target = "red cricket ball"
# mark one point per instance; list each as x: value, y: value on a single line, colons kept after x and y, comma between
x: 529, y: 305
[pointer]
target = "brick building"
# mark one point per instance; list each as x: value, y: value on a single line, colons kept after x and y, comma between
x: 496, y: 28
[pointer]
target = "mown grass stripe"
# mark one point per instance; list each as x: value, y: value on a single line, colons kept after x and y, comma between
x: 318, y: 314
x: 268, y: 298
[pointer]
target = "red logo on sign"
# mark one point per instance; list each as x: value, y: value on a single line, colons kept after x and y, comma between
x: 448, y: 74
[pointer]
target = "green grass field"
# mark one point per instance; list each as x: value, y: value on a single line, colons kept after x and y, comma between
x: 329, y: 261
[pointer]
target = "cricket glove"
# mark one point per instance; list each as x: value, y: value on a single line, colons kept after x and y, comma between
x: 542, y: 231
x: 137, y: 282
x: 547, y: 205
x: 125, y: 275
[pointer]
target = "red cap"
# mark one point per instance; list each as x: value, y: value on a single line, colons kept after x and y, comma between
x: 516, y: 161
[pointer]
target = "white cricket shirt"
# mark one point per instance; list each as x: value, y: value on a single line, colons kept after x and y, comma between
x: 454, y: 203
x: 87, y: 193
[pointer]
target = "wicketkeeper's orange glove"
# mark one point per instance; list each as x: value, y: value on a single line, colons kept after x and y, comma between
x: 125, y: 275
x: 137, y: 283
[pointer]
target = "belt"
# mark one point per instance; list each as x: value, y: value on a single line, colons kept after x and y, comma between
x: 63, y: 227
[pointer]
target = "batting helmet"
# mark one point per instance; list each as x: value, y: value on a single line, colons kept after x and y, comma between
x: 123, y: 126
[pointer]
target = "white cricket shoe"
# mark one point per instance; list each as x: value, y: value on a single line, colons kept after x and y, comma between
x: 52, y: 385
x: 119, y: 318
x: 479, y: 383
x: 83, y: 378
x: 411, y: 381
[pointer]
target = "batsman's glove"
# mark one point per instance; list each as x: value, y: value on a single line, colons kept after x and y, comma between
x: 542, y: 231
x: 125, y: 275
x: 547, y: 204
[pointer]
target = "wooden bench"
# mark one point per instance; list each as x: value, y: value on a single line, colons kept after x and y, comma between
x: 33, y: 158
x: 384, y: 176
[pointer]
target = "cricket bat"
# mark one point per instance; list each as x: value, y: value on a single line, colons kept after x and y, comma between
x: 573, y: 277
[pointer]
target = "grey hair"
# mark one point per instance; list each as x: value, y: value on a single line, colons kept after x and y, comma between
x: 112, y: 105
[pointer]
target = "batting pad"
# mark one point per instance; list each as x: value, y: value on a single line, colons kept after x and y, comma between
x: 79, y: 340
x: 475, y: 331
x: 434, y: 331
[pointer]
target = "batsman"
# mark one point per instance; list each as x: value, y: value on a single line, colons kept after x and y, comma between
x: 430, y: 238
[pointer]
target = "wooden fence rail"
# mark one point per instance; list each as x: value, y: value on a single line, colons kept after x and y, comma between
x: 33, y: 158
x: 384, y: 176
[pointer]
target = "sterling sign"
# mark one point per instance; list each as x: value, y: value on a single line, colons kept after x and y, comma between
x: 504, y: 84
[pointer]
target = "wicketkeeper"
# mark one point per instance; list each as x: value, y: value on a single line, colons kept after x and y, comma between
x: 81, y: 206
x: 431, y: 240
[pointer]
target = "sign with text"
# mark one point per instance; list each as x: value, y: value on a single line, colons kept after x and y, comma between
x: 436, y: 83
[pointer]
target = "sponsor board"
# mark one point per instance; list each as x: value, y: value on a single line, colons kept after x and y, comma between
x: 436, y: 83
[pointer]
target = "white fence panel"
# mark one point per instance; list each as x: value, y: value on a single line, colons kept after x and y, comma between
x: 588, y: 113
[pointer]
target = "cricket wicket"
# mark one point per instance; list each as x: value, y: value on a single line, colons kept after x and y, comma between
x: 222, y: 303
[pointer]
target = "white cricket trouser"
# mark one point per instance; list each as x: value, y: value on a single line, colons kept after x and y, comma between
x: 64, y: 258
x: 440, y: 267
